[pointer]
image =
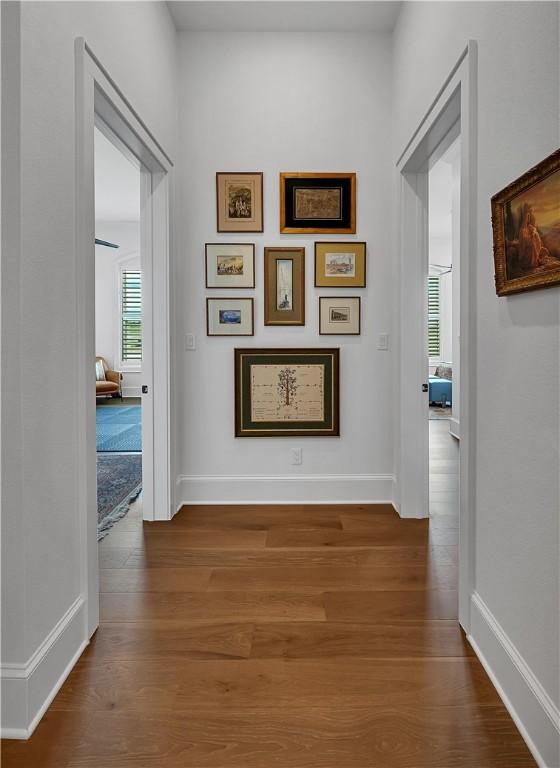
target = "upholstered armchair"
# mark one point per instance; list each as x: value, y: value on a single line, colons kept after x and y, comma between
x: 107, y: 382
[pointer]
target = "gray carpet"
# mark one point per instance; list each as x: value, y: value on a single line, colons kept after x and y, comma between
x: 119, y: 481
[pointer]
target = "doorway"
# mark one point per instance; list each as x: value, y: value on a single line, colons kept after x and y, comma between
x: 118, y: 339
x: 100, y: 104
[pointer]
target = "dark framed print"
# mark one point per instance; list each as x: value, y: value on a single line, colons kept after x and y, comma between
x: 230, y: 265
x: 229, y: 317
x: 526, y: 229
x: 339, y: 315
x: 287, y: 392
x: 284, y: 286
x: 318, y: 203
x: 340, y: 265
x: 239, y: 202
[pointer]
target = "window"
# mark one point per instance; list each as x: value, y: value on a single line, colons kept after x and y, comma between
x: 131, y: 316
x: 434, y: 346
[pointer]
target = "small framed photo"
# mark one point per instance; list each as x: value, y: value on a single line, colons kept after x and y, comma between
x: 526, y: 228
x: 229, y: 317
x: 318, y: 203
x: 230, y: 265
x: 340, y: 265
x: 339, y: 315
x: 239, y: 202
x: 284, y: 286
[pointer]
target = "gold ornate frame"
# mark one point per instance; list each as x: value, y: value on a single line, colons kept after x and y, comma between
x: 504, y: 285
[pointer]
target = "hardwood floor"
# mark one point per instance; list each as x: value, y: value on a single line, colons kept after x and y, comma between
x: 287, y: 637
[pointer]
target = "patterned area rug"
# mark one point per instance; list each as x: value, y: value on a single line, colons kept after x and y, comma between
x: 437, y: 412
x: 118, y: 428
x: 119, y: 481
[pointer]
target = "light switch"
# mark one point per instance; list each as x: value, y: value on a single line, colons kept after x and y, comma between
x: 190, y: 342
x: 383, y: 341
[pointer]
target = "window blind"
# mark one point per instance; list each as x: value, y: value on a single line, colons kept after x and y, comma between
x: 434, y: 345
x: 131, y: 315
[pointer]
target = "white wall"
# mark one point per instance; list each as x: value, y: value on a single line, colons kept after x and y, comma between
x: 108, y: 262
x: 517, y: 427
x: 283, y: 102
x: 136, y: 43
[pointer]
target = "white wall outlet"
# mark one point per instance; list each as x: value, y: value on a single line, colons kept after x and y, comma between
x: 383, y: 341
x: 297, y: 457
x: 190, y: 342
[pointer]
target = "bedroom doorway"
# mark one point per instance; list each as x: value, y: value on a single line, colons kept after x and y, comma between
x: 118, y: 342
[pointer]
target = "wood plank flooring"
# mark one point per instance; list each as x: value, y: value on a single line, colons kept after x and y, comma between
x: 279, y: 637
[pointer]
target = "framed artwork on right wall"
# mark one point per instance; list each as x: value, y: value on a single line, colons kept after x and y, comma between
x: 340, y: 265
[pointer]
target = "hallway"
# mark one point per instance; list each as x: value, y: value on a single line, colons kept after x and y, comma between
x: 296, y: 637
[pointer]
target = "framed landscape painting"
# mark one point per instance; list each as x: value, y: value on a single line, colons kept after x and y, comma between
x: 339, y: 315
x: 340, y: 265
x: 287, y: 392
x: 230, y: 265
x: 239, y: 202
x: 318, y: 203
x: 526, y: 228
x: 229, y: 317
x: 284, y: 286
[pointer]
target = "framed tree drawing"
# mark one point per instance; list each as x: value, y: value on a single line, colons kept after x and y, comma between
x: 526, y: 228
x: 287, y: 392
x: 318, y: 203
x: 239, y: 202
x: 284, y: 286
x: 230, y: 265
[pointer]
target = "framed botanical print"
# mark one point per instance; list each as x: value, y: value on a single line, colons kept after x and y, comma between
x: 339, y: 315
x: 340, y: 265
x: 318, y: 203
x: 526, y: 228
x: 287, y: 392
x: 229, y: 317
x: 230, y: 265
x: 284, y: 286
x: 239, y: 202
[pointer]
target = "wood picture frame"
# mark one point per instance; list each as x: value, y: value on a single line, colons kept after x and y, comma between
x: 340, y: 264
x: 284, y: 286
x: 340, y: 315
x: 287, y: 392
x: 230, y: 316
x: 230, y: 265
x: 526, y: 230
x: 314, y: 203
x: 239, y: 201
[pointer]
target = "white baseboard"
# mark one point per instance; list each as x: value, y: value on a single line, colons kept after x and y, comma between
x: 530, y: 706
x: 455, y: 428
x: 284, y: 489
x: 29, y: 688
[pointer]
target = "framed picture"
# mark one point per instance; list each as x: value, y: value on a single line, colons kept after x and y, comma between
x: 339, y: 315
x: 229, y: 317
x: 287, y: 392
x: 340, y: 265
x: 526, y: 227
x: 318, y: 202
x: 239, y: 202
x: 284, y: 286
x: 230, y: 265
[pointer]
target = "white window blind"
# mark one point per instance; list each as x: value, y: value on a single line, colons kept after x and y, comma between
x: 434, y: 345
x: 131, y: 315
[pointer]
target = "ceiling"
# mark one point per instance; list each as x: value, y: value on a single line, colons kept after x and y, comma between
x: 117, y: 183
x: 285, y: 15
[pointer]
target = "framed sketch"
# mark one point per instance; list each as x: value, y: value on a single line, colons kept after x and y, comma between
x: 287, y: 392
x: 230, y: 265
x: 339, y: 315
x: 284, y: 286
x: 229, y: 317
x: 239, y: 202
x: 526, y: 227
x: 340, y: 265
x: 318, y: 202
